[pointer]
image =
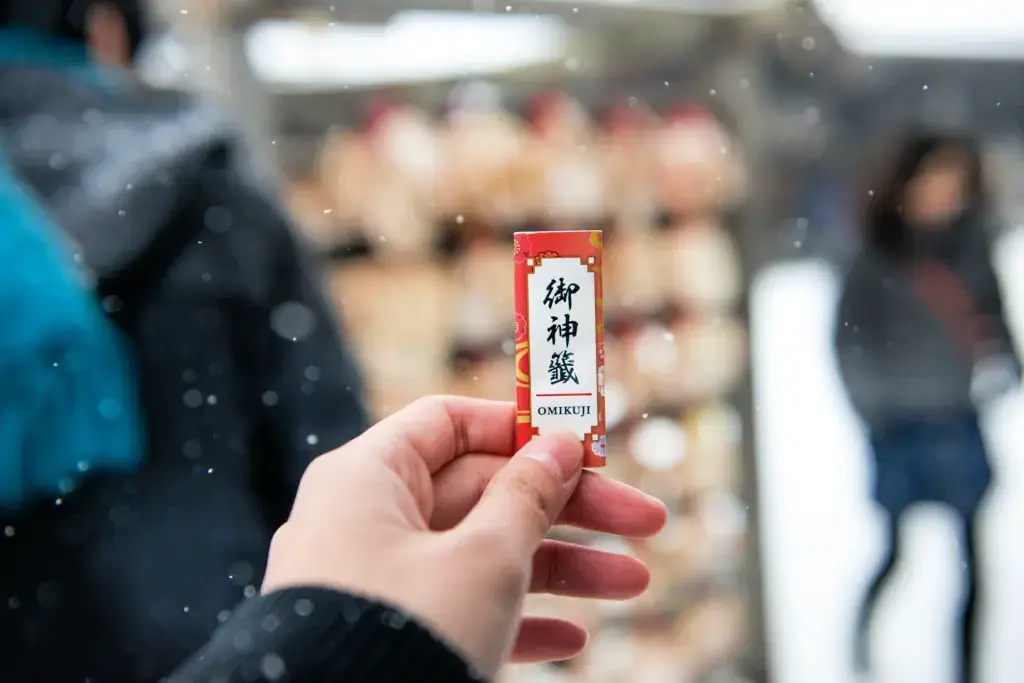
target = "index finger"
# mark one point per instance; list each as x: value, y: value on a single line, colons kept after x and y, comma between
x: 598, y: 503
x: 438, y: 429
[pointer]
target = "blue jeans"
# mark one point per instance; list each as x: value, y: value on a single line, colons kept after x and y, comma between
x: 940, y: 459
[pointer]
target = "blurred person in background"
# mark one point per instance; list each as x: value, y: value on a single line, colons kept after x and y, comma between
x: 922, y: 344
x: 238, y: 365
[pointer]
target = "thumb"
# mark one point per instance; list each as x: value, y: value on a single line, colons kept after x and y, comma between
x: 527, y: 495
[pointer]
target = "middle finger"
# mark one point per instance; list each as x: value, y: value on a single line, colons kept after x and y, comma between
x: 580, y: 572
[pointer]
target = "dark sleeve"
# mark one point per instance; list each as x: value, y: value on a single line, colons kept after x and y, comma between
x: 316, y: 635
x: 316, y: 404
x: 994, y: 311
x: 857, y: 343
x: 304, y: 383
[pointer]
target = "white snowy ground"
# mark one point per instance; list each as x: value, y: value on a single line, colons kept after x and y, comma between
x: 821, y: 537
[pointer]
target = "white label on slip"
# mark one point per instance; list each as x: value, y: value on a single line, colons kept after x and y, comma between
x: 563, y: 346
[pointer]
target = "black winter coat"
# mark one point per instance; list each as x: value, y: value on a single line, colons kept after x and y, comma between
x: 896, y: 357
x: 243, y: 379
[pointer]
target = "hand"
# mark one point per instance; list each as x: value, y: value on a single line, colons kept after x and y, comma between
x: 427, y: 511
x: 993, y: 377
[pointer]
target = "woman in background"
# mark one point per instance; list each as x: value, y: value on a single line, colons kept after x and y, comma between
x: 922, y: 341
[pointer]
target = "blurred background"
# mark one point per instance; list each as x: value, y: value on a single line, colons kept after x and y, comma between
x: 720, y: 144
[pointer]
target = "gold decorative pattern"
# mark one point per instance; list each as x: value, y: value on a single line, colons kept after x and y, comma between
x: 522, y: 379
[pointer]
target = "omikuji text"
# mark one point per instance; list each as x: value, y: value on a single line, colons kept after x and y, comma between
x: 562, y: 367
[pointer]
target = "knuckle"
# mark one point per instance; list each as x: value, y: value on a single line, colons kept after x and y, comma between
x: 316, y: 470
x: 511, y: 579
x: 485, y: 542
x: 534, y: 499
x: 431, y: 402
x: 279, y: 537
x: 496, y: 552
x: 536, y: 487
x: 434, y: 405
x: 328, y: 471
x: 439, y: 411
x: 494, y: 547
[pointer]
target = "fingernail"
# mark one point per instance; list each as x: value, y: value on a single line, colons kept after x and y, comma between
x: 562, y: 453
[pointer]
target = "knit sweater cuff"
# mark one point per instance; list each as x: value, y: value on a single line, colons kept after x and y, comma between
x: 318, y: 635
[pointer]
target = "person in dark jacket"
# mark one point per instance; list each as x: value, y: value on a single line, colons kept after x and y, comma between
x: 242, y: 374
x: 922, y: 343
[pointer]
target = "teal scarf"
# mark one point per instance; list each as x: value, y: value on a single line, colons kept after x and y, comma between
x: 68, y: 402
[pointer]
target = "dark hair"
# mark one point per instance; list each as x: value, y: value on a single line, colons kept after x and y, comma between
x: 885, y: 228
x: 67, y: 18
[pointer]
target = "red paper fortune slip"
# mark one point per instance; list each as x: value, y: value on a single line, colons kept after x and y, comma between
x: 560, y: 338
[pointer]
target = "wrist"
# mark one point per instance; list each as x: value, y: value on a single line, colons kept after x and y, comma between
x: 321, y: 635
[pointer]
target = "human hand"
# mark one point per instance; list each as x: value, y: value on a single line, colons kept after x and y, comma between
x: 427, y: 512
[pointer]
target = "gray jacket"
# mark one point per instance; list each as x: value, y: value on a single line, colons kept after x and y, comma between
x: 897, y: 358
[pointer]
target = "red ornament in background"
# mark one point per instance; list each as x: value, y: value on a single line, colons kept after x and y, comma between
x: 694, y: 151
x: 627, y: 150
